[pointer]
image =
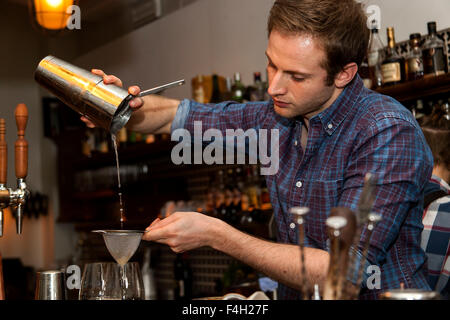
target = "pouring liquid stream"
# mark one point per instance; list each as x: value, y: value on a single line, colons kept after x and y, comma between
x: 123, y: 260
x: 122, y: 214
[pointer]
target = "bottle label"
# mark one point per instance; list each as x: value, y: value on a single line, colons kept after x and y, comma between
x: 391, y: 72
x: 373, y: 58
x: 415, y: 65
x: 434, y: 60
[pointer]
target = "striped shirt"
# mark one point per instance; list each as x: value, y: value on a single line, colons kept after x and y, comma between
x: 362, y: 131
x: 436, y: 237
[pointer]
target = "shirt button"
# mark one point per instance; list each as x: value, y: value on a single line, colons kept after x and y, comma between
x: 299, y: 184
x: 330, y: 126
x: 292, y: 225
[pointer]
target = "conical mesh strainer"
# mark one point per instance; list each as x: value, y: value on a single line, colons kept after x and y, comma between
x: 121, y: 244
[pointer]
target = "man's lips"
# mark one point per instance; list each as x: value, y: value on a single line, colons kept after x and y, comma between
x: 281, y: 104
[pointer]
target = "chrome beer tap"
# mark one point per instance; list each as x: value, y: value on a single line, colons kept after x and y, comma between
x: 341, y: 226
x: 14, y: 198
x: 299, y: 214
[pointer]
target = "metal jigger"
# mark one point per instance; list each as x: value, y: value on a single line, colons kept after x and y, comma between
x: 50, y: 286
x: 300, y: 213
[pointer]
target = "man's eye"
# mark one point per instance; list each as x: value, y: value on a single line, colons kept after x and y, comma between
x: 296, y: 79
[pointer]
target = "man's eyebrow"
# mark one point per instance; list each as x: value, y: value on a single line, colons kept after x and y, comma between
x: 291, y: 72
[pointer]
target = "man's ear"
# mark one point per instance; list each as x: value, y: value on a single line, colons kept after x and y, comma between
x: 346, y: 75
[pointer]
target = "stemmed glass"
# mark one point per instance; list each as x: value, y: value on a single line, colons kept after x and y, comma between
x: 111, y: 281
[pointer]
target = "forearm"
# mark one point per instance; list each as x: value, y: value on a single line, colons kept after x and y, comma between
x: 155, y: 116
x: 280, y: 262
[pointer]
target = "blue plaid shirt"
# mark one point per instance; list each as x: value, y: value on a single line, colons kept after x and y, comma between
x: 436, y: 237
x: 362, y: 131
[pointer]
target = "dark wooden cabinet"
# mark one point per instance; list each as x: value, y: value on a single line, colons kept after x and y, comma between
x: 428, y: 87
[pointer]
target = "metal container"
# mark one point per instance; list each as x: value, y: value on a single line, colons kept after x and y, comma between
x: 410, y: 294
x: 107, y: 106
x: 50, y: 286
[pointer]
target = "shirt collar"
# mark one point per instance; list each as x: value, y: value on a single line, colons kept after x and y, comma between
x: 333, y: 116
x: 440, y: 181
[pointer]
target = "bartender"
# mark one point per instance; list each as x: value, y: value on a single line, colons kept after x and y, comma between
x: 332, y: 132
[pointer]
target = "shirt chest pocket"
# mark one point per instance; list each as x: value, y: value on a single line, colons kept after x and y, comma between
x: 319, y: 196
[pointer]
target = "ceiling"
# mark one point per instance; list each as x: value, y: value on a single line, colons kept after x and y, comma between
x: 127, y: 15
x: 91, y: 9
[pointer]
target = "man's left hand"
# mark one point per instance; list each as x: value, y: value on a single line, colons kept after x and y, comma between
x: 183, y: 231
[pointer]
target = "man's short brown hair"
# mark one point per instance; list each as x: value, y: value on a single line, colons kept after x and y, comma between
x: 339, y: 25
x: 436, y: 129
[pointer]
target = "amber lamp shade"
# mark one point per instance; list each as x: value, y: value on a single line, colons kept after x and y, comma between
x: 51, y: 14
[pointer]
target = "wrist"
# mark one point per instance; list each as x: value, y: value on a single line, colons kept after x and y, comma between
x: 218, y: 235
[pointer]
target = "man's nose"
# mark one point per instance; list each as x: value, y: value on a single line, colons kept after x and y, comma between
x: 277, y: 85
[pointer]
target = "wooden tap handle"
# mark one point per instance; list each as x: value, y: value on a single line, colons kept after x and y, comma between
x: 2, y: 284
x: 3, y: 153
x: 21, y: 146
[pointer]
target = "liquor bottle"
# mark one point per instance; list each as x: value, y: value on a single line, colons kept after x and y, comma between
x: 215, y: 95
x: 414, y: 61
x: 252, y: 189
x: 375, y: 56
x: 238, y: 89
x: 446, y: 107
x: 131, y: 137
x: 148, y: 276
x: 364, y: 73
x: 199, y: 89
x: 265, y: 197
x: 183, y: 278
x: 267, y: 96
x: 88, y: 143
x: 257, y: 90
x: 418, y: 110
x: 434, y: 58
x: 102, y: 143
x: 219, y: 196
x: 393, y: 66
x: 122, y: 137
x: 227, y: 95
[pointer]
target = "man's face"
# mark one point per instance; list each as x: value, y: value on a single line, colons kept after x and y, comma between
x: 297, y: 81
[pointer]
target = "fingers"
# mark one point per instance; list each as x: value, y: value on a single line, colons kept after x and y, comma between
x: 135, y: 103
x: 158, y: 234
x: 98, y: 72
x: 108, y: 79
x: 87, y: 122
x: 112, y: 80
x: 134, y: 90
x: 153, y: 223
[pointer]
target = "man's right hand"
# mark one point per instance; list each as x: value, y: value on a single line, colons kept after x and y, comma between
x: 135, y: 103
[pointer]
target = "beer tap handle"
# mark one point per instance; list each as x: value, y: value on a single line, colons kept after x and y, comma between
x: 3, y: 154
x: 4, y: 194
x: 21, y: 160
x: 2, y: 284
x: 21, y: 146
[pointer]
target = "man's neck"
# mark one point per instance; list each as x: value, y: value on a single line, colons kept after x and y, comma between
x: 442, y: 172
x: 336, y: 93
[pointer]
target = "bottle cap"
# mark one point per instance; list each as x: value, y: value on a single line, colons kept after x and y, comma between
x: 431, y: 27
x: 414, y: 36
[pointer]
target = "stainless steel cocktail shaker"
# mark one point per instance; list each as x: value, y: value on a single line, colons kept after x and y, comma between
x: 105, y: 105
